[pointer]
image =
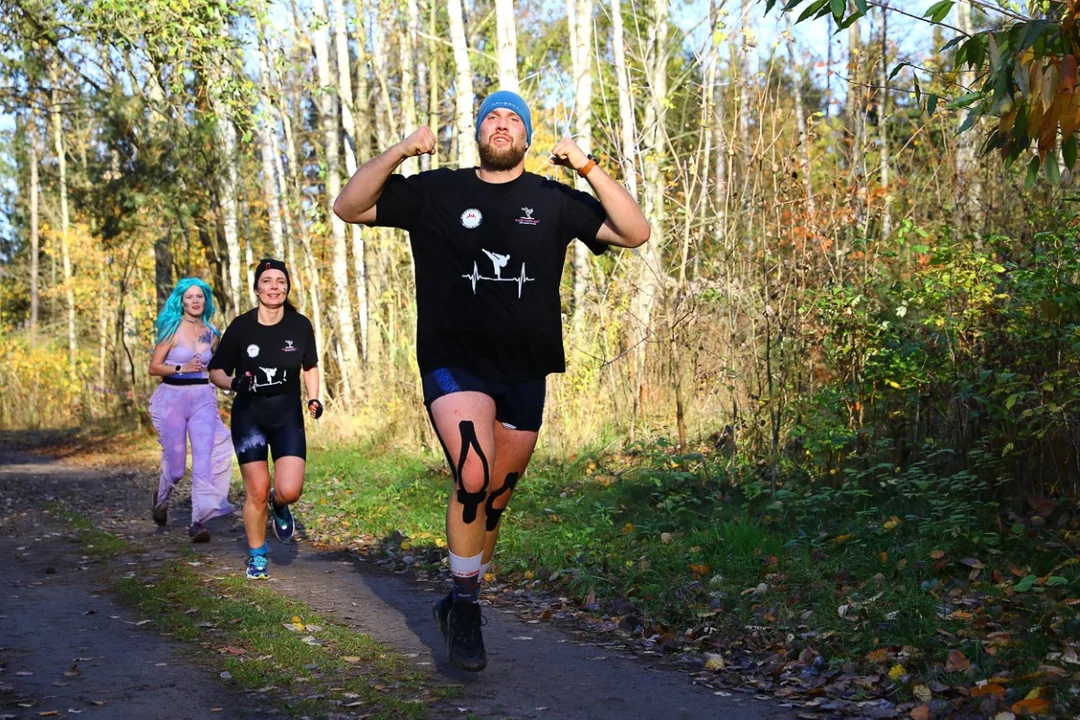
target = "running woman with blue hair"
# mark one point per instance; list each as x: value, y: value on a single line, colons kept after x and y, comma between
x: 263, y: 357
x: 185, y: 406
x: 489, y: 245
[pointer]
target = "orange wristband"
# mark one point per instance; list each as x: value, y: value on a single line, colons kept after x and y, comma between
x: 586, y: 168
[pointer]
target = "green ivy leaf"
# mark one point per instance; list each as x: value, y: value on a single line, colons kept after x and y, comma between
x: 1025, y: 584
x: 1068, y: 152
x: 1053, y: 173
x: 1032, y: 173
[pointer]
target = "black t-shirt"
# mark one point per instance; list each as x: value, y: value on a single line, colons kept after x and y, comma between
x: 274, y: 354
x: 489, y: 260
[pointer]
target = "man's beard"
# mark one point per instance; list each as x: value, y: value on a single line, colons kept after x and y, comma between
x: 501, y: 158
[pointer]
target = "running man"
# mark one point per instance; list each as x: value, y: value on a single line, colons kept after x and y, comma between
x: 262, y: 357
x: 489, y: 245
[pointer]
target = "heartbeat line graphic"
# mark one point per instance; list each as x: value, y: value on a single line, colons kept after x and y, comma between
x: 475, y: 276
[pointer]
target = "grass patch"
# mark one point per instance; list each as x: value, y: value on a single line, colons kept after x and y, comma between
x: 283, y: 648
x: 96, y: 542
x: 880, y: 582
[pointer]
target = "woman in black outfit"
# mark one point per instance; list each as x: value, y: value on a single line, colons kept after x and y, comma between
x: 261, y: 358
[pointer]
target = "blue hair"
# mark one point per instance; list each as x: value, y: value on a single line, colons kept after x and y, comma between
x: 172, y: 313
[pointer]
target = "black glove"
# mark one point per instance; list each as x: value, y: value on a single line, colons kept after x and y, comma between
x: 315, y: 408
x: 243, y: 383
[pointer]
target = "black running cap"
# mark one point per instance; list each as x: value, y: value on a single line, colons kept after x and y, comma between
x: 271, y: 264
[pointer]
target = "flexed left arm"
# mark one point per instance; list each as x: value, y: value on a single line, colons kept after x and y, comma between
x: 625, y: 225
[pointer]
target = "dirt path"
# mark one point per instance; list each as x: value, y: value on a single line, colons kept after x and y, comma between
x: 535, y: 671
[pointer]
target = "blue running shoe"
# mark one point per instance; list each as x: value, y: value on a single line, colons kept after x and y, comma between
x: 256, y: 569
x: 282, y: 520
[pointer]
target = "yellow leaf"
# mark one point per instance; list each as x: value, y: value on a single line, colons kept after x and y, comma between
x: 714, y: 662
x: 892, y: 523
x: 406, y: 545
x: 897, y: 671
x: 922, y: 692
x: 628, y: 528
x: 529, y: 575
x: 352, y: 659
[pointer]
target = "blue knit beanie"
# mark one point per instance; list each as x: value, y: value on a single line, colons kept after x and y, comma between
x: 510, y: 101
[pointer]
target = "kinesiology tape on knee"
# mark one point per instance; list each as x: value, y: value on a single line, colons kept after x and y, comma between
x: 494, y: 513
x: 470, y: 501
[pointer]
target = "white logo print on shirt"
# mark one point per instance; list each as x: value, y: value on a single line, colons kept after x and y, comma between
x: 471, y: 218
x: 499, y: 261
x: 270, y: 373
x: 528, y: 219
x: 253, y: 351
x: 289, y: 347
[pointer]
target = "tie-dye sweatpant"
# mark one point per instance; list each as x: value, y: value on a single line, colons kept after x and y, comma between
x: 182, y: 411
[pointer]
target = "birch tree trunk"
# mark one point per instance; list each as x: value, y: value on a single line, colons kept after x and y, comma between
x: 407, y: 51
x: 883, y: 128
x: 968, y: 186
x: 362, y: 101
x: 346, y: 333
x: 746, y: 82
x: 434, y: 105
x: 267, y: 148
x: 506, y: 40
x: 627, y: 123
x: 581, y: 15
x: 649, y: 274
x: 721, y: 198
x: 423, y: 71
x: 800, y: 120
x: 463, y: 88
x: 35, y: 234
x: 348, y: 115
x: 65, y: 248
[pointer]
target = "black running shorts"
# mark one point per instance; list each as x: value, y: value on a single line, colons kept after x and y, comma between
x: 518, y: 406
x: 272, y: 424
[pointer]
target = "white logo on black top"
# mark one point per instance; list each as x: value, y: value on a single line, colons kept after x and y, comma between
x: 471, y: 218
x: 253, y: 350
x: 499, y: 261
x: 528, y: 219
x: 270, y: 373
x: 289, y: 347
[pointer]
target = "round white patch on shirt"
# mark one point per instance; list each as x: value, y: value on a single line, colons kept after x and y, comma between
x: 471, y: 218
x: 253, y: 351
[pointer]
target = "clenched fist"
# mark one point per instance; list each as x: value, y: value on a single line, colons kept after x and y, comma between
x: 568, y: 154
x: 420, y: 142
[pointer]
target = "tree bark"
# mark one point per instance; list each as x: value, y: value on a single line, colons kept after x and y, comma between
x: 649, y: 274
x: 346, y: 333
x: 800, y: 119
x: 969, y: 185
x: 35, y: 233
x: 581, y: 13
x: 65, y: 247
x: 883, y: 129
x: 463, y: 88
x: 506, y: 40
x: 345, y: 94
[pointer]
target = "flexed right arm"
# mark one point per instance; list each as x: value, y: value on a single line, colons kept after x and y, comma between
x: 356, y: 202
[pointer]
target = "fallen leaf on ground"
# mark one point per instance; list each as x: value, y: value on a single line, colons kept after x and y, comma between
x: 988, y: 689
x: 920, y: 713
x: 957, y: 662
x: 1034, y: 706
x: 922, y: 693
x: 714, y: 662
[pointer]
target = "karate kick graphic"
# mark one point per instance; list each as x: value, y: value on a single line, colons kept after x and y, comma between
x: 499, y: 261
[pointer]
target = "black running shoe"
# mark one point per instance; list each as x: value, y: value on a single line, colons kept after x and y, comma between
x: 198, y: 533
x: 160, y: 513
x: 441, y: 612
x: 465, y: 642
